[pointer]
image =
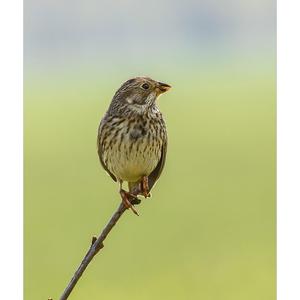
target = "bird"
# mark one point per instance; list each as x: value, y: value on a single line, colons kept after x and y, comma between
x: 132, y: 138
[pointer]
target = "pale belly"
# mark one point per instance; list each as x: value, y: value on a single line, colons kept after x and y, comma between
x: 130, y: 161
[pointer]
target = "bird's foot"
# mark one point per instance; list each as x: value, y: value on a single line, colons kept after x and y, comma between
x: 145, y: 187
x: 129, y: 199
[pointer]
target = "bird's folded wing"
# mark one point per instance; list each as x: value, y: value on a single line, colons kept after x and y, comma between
x: 100, y: 153
x: 153, y: 177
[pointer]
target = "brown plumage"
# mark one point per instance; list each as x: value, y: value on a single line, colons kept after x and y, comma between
x: 132, y: 137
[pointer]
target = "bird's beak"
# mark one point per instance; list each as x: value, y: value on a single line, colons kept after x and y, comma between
x: 162, y: 87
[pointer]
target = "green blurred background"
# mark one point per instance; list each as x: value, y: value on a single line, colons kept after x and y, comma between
x: 208, y: 232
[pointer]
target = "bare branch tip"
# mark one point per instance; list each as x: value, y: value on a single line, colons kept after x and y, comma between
x: 136, y: 201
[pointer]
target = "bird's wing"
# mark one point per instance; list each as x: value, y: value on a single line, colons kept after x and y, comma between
x: 100, y: 151
x: 153, y: 177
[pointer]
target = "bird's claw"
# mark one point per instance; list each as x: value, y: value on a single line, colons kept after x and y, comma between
x: 129, y: 199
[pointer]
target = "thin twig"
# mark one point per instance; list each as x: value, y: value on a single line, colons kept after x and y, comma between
x: 97, y: 244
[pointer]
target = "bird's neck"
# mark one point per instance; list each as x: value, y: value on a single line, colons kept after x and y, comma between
x: 136, y: 111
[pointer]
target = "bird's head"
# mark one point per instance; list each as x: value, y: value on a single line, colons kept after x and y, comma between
x: 137, y: 95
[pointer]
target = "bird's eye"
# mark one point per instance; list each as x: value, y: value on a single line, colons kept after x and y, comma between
x: 145, y: 86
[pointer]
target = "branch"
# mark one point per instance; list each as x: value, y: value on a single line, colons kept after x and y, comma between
x: 97, y: 244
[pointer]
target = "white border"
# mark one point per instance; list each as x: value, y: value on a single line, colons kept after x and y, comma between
x: 11, y: 149
x: 288, y: 168
x: 11, y: 19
